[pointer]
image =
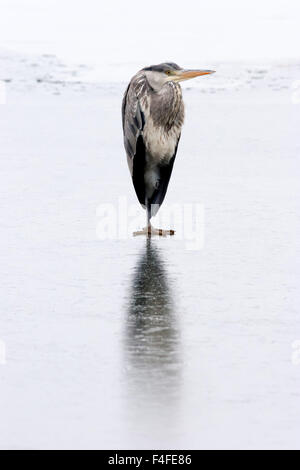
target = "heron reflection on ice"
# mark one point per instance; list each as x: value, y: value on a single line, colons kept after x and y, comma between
x: 152, y: 343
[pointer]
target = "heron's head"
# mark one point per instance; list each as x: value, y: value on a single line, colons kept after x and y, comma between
x: 158, y: 75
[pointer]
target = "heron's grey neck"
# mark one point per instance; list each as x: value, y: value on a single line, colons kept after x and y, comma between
x: 167, y: 106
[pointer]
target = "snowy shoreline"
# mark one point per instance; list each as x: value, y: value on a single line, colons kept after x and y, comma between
x: 46, y: 74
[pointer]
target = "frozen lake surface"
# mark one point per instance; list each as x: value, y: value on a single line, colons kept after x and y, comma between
x: 130, y: 344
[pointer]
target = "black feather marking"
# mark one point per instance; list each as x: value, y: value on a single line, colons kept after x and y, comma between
x: 139, y: 170
x: 143, y: 119
x: 162, y: 67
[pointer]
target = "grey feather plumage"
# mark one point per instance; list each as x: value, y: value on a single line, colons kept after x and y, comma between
x: 132, y: 117
x: 152, y: 120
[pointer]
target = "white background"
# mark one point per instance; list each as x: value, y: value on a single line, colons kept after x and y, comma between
x: 110, y: 344
x: 154, y: 30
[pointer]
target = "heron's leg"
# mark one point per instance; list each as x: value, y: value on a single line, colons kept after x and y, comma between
x: 157, y: 231
x: 146, y: 230
x: 150, y: 231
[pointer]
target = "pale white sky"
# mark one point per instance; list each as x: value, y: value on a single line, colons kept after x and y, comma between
x: 154, y: 30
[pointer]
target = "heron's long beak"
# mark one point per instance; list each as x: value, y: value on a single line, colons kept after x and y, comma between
x: 181, y: 75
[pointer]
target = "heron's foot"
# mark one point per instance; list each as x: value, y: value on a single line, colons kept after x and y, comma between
x: 161, y: 233
x: 151, y: 231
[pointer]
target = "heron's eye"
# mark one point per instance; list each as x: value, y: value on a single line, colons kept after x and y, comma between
x: 168, y: 72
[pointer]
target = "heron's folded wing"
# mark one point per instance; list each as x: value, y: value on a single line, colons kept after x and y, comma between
x: 133, y: 124
x: 132, y: 116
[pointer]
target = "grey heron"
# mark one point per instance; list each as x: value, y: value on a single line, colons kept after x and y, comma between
x: 152, y: 118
